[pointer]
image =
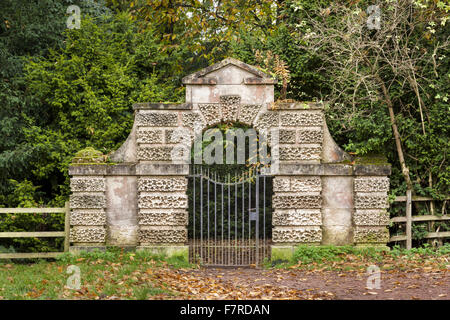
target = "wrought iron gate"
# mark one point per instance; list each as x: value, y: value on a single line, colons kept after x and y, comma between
x: 230, y: 218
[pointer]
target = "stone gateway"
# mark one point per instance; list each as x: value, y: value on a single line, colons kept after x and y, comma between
x: 139, y: 200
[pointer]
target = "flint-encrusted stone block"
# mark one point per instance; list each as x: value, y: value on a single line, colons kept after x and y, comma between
x: 211, y: 112
x: 300, y: 153
x: 162, y: 184
x: 298, y: 217
x: 87, y: 217
x: 159, y: 153
x: 88, y: 234
x: 267, y: 120
x: 156, y: 119
x: 248, y: 113
x: 158, y: 217
x: 145, y: 135
x: 371, y: 234
x: 310, y: 136
x: 87, y: 201
x: 281, y: 184
x: 371, y: 217
x: 162, y: 235
x: 310, y: 234
x: 87, y: 184
x: 301, y: 119
x: 296, y: 202
x: 169, y: 201
x: 230, y: 105
x: 287, y: 136
x: 371, y: 201
x: 371, y: 184
x: 190, y: 119
x: 182, y: 135
x: 306, y: 184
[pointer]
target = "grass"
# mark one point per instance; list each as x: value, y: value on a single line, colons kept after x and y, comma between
x: 113, y: 274
x: 347, y: 258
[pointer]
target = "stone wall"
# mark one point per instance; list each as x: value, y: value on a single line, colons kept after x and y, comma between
x: 296, y: 202
x: 162, y: 206
x: 88, y: 215
x: 319, y: 197
x: 371, y: 217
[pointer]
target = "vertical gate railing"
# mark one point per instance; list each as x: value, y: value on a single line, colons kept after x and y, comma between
x: 228, y: 218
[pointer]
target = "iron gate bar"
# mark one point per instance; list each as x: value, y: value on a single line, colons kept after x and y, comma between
x: 193, y: 218
x: 215, y: 216
x: 201, y: 213
x: 235, y: 216
x: 243, y: 215
x: 219, y: 251
x: 222, y: 221
x: 257, y: 221
x: 249, y: 220
x: 207, y: 206
x: 264, y: 216
x: 229, y: 216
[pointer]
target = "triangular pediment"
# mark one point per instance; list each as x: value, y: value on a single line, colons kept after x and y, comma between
x: 229, y: 71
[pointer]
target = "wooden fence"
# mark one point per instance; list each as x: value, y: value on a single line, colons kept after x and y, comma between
x: 409, y: 219
x: 44, y: 234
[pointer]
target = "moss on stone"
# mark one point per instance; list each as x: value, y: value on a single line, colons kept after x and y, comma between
x: 371, y: 159
x: 89, y: 156
x: 283, y: 253
x: 344, y: 162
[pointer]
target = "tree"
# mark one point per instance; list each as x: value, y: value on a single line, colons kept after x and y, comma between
x: 87, y: 89
x: 377, y: 66
x: 28, y: 29
x: 205, y: 27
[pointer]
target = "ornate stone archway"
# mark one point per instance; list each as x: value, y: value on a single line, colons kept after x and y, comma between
x: 320, y: 197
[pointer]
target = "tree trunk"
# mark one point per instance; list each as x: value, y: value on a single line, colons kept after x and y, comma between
x: 401, y: 158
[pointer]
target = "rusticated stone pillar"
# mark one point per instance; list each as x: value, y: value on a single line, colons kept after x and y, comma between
x: 297, y: 217
x: 371, y: 217
x: 88, y: 215
x: 163, y: 216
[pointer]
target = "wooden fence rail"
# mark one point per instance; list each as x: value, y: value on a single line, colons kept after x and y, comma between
x: 43, y: 234
x: 409, y: 219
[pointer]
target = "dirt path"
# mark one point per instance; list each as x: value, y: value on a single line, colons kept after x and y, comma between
x: 299, y: 284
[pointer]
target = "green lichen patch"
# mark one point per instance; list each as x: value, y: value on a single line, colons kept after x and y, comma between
x: 371, y: 159
x: 89, y: 156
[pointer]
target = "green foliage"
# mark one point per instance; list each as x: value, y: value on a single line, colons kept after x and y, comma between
x: 322, y: 254
x: 328, y: 254
x: 424, y: 250
x: 88, y: 156
x: 365, y: 128
x: 23, y: 196
x: 28, y: 28
x: 87, y: 89
x: 84, y: 89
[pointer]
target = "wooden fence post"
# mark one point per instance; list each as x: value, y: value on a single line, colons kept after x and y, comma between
x: 408, y: 220
x: 67, y: 227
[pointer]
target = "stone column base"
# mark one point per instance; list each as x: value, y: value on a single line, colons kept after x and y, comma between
x: 373, y: 245
x: 181, y: 251
x: 285, y: 252
x: 77, y: 249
